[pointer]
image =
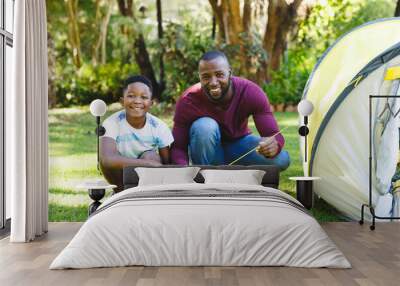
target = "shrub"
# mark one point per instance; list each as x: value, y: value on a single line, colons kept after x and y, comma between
x: 91, y: 82
x: 184, y: 45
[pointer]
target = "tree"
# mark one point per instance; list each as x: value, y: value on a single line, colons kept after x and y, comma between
x: 282, y: 18
x: 234, y: 29
x: 142, y: 57
x: 73, y: 32
x: 102, y: 20
x: 397, y: 11
x: 162, y: 50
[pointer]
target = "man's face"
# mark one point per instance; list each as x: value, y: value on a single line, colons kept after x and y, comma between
x: 215, y: 78
x: 137, y: 99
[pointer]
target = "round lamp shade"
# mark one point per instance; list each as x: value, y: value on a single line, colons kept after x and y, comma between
x: 305, y: 107
x: 98, y: 107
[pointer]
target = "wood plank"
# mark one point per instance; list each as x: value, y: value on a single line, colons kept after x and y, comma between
x: 374, y: 255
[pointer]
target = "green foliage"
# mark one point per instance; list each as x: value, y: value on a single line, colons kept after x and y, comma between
x: 325, y: 23
x: 184, y: 45
x: 120, y: 39
x: 186, y: 38
x: 288, y: 82
x: 91, y: 82
x: 328, y: 21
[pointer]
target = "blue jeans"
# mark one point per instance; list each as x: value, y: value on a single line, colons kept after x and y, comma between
x: 206, y: 148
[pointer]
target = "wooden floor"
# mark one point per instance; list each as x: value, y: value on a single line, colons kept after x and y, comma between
x: 374, y: 255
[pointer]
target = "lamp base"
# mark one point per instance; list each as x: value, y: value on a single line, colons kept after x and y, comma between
x: 304, y: 190
x: 96, y: 195
x: 304, y: 193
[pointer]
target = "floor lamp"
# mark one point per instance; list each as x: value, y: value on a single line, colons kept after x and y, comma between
x: 305, y: 108
x: 98, y: 108
x: 304, y: 192
x: 97, y: 189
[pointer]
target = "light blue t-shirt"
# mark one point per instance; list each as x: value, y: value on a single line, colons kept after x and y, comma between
x: 132, y: 142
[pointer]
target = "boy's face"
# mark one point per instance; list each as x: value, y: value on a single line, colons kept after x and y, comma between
x: 137, y: 99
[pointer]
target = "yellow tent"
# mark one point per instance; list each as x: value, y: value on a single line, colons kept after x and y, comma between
x: 363, y: 62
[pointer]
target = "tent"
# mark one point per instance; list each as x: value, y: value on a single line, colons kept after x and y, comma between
x: 363, y: 62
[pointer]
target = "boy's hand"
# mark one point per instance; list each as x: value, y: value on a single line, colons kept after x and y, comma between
x: 268, y: 147
x: 151, y: 158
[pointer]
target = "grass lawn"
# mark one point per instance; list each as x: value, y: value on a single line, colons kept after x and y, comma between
x: 72, y: 151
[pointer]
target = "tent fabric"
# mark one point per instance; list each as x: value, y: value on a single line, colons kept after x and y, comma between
x: 343, y: 60
x: 339, y: 87
x: 373, y: 65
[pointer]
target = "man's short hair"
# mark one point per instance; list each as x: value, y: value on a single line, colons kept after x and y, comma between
x: 137, y: 78
x: 211, y: 55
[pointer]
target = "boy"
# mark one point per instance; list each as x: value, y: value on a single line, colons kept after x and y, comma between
x: 133, y: 136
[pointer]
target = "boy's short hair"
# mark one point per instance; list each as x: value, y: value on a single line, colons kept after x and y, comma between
x: 137, y: 78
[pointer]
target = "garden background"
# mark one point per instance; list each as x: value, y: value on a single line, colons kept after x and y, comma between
x: 93, y: 45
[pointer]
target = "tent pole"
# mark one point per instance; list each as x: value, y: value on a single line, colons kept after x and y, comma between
x: 370, y: 150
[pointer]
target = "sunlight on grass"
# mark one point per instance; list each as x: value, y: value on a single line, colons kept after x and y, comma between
x: 67, y: 213
x: 66, y: 192
x: 70, y: 200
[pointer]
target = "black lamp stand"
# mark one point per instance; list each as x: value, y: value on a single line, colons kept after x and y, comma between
x: 100, y: 131
x: 303, y: 131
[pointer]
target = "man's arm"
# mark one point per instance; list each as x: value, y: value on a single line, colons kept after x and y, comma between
x: 180, y: 132
x: 179, y: 149
x: 266, y: 125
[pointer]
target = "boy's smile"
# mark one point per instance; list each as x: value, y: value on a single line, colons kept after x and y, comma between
x: 137, y: 102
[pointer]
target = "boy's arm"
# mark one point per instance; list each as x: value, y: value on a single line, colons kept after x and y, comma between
x: 164, y: 154
x: 110, y: 157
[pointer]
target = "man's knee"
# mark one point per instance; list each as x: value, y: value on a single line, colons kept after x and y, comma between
x: 205, y: 129
x: 282, y: 160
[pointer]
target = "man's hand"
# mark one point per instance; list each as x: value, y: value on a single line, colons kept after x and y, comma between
x: 268, y: 147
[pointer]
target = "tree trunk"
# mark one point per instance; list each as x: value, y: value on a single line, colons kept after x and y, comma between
x: 162, y: 51
x: 234, y: 30
x: 104, y: 31
x: 214, y: 27
x: 397, y: 11
x: 247, y: 16
x: 143, y: 60
x: 229, y: 21
x: 125, y: 8
x: 142, y: 57
x: 52, y: 96
x: 102, y: 23
x: 247, y: 59
x: 281, y: 20
x: 218, y: 16
x: 73, y: 32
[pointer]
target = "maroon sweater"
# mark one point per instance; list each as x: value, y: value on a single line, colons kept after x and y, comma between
x: 248, y: 99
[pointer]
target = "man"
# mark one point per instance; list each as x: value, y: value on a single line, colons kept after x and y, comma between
x: 211, y: 118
